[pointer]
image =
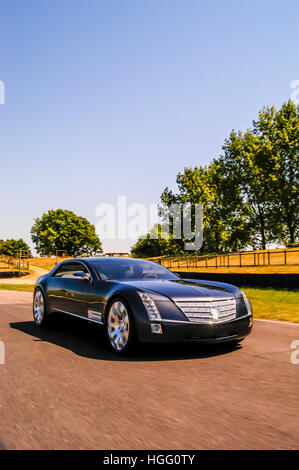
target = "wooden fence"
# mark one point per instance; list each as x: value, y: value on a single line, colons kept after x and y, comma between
x: 19, y: 262
x: 228, y: 260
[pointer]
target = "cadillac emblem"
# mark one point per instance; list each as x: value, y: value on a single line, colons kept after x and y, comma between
x: 215, y: 313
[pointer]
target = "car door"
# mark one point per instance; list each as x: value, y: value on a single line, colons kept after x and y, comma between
x: 56, y: 289
x: 67, y: 292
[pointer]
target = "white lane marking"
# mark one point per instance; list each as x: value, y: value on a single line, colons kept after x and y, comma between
x: 276, y: 321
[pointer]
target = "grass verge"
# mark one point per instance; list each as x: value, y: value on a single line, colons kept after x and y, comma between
x: 19, y: 287
x: 274, y: 304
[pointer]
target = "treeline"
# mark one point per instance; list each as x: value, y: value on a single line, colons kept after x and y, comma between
x: 58, y: 231
x: 12, y: 247
x: 249, y: 194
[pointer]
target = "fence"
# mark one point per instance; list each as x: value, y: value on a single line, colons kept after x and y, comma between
x: 228, y: 260
x: 19, y: 262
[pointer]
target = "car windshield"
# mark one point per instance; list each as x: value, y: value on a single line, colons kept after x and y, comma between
x: 126, y: 269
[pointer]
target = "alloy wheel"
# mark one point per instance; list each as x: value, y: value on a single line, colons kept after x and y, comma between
x: 38, y: 307
x: 118, y: 326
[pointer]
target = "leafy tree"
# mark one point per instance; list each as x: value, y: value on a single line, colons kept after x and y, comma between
x: 262, y: 165
x: 280, y: 129
x: 12, y: 247
x: 223, y: 227
x: 149, y: 247
x: 250, y: 193
x: 63, y: 230
x: 243, y: 173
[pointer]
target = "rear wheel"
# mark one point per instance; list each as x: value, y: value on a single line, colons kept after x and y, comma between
x: 120, y: 328
x: 39, y: 308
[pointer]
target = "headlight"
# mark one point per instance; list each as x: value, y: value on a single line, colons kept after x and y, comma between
x: 150, y: 306
x: 247, y: 303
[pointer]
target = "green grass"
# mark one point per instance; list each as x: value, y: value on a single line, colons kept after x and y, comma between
x: 274, y: 304
x: 271, y: 304
x: 19, y: 287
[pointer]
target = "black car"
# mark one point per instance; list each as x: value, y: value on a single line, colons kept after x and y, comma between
x: 138, y: 300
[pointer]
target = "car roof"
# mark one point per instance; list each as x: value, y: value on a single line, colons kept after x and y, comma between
x: 97, y: 258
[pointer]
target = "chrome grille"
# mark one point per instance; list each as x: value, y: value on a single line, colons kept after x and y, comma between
x: 208, y: 310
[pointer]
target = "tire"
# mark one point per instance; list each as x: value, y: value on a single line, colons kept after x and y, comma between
x: 120, y: 327
x: 236, y: 343
x: 40, y: 316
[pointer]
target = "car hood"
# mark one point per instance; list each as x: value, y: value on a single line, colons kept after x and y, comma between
x: 183, y: 288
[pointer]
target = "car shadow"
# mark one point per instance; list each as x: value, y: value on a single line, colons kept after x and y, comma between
x: 87, y: 340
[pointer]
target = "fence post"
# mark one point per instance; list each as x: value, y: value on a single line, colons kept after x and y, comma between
x: 240, y: 259
x: 285, y: 256
x: 269, y: 257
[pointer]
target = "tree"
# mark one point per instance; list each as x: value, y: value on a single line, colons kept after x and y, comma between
x: 12, y: 247
x: 63, y: 230
x: 243, y: 173
x: 150, y: 247
x: 250, y: 194
x: 223, y: 226
x: 281, y: 130
x: 262, y: 164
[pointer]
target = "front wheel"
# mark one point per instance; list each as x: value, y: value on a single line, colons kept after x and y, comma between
x: 236, y: 342
x: 120, y: 328
x: 39, y: 308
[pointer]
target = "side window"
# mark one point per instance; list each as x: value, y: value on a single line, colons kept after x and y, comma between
x: 67, y: 270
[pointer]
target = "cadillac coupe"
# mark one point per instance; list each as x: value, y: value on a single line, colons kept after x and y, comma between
x: 138, y: 300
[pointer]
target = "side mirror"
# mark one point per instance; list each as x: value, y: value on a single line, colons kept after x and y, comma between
x: 82, y: 275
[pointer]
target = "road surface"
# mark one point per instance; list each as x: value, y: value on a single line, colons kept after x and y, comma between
x: 60, y: 388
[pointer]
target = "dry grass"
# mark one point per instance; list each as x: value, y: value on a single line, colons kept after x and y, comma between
x: 45, y: 263
x: 8, y: 270
x: 258, y: 262
x: 288, y: 269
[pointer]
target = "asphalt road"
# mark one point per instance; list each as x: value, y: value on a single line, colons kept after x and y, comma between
x: 61, y: 388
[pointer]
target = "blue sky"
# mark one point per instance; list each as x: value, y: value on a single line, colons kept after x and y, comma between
x: 115, y: 97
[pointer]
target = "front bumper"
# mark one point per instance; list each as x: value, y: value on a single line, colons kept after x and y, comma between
x: 205, y: 333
